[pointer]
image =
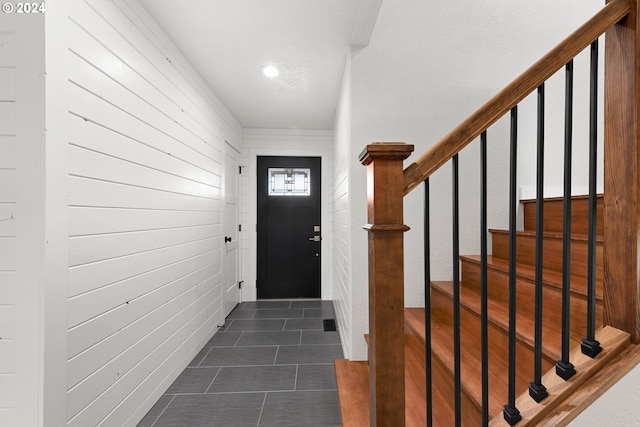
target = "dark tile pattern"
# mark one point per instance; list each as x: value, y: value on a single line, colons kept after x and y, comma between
x: 193, y: 380
x: 301, y: 408
x: 270, y: 365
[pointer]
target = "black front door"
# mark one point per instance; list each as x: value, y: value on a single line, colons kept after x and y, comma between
x: 288, y: 227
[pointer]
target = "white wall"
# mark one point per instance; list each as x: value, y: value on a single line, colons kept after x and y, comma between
x: 134, y: 172
x: 352, y: 313
x: 21, y: 217
x: 283, y: 142
x: 619, y: 406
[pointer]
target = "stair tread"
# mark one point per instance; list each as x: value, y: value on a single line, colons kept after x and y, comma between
x: 575, y: 237
x: 353, y: 388
x: 550, y: 277
x: 352, y: 379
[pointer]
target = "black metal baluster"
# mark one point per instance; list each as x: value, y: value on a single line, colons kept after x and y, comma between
x: 564, y: 368
x: 483, y: 279
x: 510, y: 412
x: 590, y: 346
x: 456, y: 297
x: 427, y: 304
x: 536, y: 389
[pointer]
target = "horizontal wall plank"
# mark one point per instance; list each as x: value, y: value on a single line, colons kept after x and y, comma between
x: 7, y: 50
x: 89, y: 192
x: 7, y: 152
x: 7, y: 185
x: 7, y: 220
x: 7, y: 322
x: 7, y: 84
x: 95, y: 137
x: 91, y: 304
x: 89, y: 333
x: 7, y: 118
x: 85, y: 76
x: 90, y: 107
x: 7, y: 254
x: 7, y: 288
x: 90, y: 277
x: 7, y: 356
x: 146, y: 353
x: 88, y: 249
x: 84, y: 221
x: 7, y: 390
x: 90, y: 164
x: 133, y: 49
x: 106, y: 65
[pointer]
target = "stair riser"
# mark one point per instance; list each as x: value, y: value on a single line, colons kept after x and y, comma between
x: 552, y: 254
x: 525, y: 295
x: 553, y: 211
x: 498, y: 353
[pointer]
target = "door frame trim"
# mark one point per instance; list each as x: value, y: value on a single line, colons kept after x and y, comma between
x: 249, y: 207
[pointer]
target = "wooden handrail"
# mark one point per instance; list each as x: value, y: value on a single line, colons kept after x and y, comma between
x: 515, y: 92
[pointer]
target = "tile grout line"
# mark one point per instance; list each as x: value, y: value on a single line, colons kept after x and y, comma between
x: 204, y: 357
x: 162, y: 412
x: 211, y: 383
x: 264, y: 402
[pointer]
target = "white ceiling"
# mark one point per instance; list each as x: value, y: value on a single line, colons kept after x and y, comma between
x: 228, y: 41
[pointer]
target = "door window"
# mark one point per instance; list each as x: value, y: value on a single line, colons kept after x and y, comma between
x: 289, y: 182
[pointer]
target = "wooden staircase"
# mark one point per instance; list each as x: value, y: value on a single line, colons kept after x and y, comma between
x: 353, y: 377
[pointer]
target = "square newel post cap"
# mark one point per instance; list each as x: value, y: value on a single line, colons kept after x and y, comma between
x: 385, y: 150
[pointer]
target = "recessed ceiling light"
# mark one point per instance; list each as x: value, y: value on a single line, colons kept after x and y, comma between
x: 270, y: 71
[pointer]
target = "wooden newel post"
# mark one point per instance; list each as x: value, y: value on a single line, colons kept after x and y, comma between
x: 622, y: 176
x: 386, y: 229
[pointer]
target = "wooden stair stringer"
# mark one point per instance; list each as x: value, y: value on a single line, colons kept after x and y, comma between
x: 613, y: 342
x: 597, y: 385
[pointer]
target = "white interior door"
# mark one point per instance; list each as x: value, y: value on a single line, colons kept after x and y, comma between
x: 231, y: 251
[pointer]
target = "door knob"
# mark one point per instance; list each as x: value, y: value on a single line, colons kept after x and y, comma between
x: 227, y: 239
x: 315, y: 238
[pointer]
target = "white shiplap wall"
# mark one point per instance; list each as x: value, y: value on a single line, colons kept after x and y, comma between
x: 7, y: 222
x: 145, y: 178
x: 342, y: 213
x: 21, y: 202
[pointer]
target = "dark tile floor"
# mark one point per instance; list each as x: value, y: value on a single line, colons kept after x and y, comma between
x: 271, y: 365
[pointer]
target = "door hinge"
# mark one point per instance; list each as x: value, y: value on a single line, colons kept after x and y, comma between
x: 240, y: 284
x: 239, y: 170
x: 239, y: 227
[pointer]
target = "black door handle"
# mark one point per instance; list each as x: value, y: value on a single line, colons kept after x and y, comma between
x: 227, y: 239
